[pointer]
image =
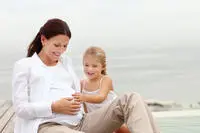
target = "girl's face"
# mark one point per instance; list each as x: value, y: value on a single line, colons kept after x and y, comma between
x: 92, y: 67
x: 54, y: 46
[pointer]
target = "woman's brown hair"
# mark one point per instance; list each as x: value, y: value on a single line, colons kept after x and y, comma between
x: 50, y: 29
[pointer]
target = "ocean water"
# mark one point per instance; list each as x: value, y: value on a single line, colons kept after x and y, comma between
x: 169, y: 74
x: 179, y: 121
x: 179, y: 124
x: 159, y: 73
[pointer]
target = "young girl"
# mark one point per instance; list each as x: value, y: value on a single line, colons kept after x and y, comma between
x: 97, y: 88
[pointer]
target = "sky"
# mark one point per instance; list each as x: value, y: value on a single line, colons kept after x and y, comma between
x: 139, y: 22
x: 157, y: 33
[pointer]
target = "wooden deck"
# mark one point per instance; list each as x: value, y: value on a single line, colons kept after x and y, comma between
x: 6, y: 117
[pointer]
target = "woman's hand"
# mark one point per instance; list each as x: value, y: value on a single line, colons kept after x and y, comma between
x: 66, y: 106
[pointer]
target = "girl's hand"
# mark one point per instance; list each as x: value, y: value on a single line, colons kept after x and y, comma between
x: 78, y: 97
x: 66, y: 106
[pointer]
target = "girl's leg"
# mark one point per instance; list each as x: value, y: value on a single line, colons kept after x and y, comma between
x: 129, y: 109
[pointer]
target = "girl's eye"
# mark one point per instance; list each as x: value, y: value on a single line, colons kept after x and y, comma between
x: 94, y: 66
x: 86, y: 65
x: 65, y: 46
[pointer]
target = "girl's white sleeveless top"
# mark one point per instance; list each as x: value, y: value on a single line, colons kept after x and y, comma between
x: 93, y: 106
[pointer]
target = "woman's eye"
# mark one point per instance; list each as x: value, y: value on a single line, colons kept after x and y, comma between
x: 56, y: 45
x: 94, y: 66
x: 65, y: 46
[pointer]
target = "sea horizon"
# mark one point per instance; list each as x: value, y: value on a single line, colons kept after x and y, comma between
x: 160, y: 73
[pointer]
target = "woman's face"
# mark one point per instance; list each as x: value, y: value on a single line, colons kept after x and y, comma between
x: 54, y: 46
x: 92, y: 67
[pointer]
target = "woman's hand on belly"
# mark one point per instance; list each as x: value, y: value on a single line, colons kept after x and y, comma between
x: 66, y: 106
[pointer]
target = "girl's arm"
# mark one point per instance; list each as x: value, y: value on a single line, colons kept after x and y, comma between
x: 84, y: 105
x: 106, y: 86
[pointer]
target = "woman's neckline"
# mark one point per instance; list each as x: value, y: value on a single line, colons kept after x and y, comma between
x: 49, y: 66
x: 54, y: 66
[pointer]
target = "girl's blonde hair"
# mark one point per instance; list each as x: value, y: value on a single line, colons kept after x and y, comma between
x: 99, y: 54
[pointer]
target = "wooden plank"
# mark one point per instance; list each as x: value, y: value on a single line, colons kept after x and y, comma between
x: 9, y: 128
x: 5, y: 118
x: 4, y: 108
x: 2, y: 102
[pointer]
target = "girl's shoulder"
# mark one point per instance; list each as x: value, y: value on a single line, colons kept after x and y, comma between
x: 106, y: 78
x: 106, y: 81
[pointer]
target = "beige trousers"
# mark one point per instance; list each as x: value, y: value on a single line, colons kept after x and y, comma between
x: 129, y: 109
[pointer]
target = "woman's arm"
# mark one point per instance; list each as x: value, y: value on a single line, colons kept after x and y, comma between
x: 106, y: 86
x: 31, y: 110
x: 22, y: 106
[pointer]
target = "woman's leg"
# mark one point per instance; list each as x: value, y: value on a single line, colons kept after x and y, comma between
x: 152, y: 120
x: 56, y: 128
x: 129, y: 109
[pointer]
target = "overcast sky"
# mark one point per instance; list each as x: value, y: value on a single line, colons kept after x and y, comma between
x: 163, y: 37
x: 105, y: 22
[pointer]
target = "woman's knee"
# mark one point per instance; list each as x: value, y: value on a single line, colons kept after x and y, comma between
x: 132, y: 95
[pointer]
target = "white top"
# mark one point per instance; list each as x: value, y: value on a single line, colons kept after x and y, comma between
x: 93, y: 106
x: 61, y: 83
x: 33, y: 86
